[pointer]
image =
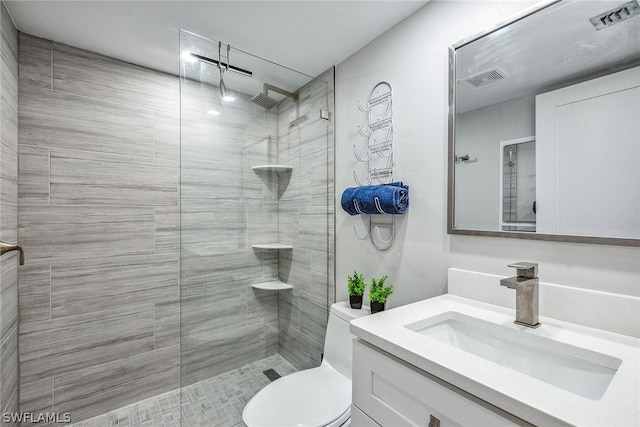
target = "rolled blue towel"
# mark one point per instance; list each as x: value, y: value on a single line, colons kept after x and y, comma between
x: 392, y: 199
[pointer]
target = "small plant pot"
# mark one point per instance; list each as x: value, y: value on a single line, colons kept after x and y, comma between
x: 355, y: 301
x: 377, y: 307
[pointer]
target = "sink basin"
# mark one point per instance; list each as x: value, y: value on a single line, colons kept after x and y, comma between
x: 577, y: 370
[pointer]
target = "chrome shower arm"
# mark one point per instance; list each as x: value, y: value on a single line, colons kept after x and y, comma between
x: 5, y: 247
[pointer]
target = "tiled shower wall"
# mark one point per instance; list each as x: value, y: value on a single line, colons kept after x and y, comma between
x: 306, y: 214
x: 99, y: 220
x: 8, y: 214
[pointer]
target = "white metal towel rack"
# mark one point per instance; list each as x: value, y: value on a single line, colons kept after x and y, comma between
x: 375, y: 155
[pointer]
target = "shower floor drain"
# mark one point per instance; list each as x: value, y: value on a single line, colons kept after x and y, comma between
x: 271, y: 374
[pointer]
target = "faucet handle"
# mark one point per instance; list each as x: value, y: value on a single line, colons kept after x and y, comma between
x: 527, y: 270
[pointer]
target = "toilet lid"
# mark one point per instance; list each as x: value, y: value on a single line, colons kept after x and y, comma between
x: 311, y: 398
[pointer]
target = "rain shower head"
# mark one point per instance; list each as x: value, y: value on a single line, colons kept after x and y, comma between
x: 264, y: 100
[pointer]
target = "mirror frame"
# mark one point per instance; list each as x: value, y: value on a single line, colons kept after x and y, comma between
x: 615, y: 241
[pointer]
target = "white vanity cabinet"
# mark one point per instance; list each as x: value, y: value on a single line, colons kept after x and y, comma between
x: 391, y: 392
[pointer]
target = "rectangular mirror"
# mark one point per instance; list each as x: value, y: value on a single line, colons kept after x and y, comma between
x: 544, y: 126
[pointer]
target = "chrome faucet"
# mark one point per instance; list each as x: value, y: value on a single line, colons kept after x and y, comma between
x: 526, y: 285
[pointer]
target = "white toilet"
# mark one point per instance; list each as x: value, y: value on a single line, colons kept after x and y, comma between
x: 315, y: 397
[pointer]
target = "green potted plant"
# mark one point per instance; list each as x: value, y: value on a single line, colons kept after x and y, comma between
x: 378, y: 293
x: 355, y: 287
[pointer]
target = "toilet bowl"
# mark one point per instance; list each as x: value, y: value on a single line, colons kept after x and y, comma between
x: 318, y: 397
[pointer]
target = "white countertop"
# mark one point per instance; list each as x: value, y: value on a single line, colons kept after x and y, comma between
x: 533, y: 400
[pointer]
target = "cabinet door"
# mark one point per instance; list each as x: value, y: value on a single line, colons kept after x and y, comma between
x: 394, y: 393
x: 360, y: 419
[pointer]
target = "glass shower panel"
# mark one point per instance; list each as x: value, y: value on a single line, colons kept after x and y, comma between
x: 256, y: 243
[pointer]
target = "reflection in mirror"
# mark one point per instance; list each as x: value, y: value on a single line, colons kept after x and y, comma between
x: 569, y: 75
x: 518, y: 185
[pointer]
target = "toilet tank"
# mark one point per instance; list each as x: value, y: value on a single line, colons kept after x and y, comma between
x: 338, y: 340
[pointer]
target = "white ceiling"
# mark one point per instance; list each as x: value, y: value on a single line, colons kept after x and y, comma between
x: 308, y: 36
x: 554, y: 46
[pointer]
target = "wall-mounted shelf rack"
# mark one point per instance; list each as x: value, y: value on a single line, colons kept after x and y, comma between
x: 265, y: 171
x: 376, y: 151
x: 375, y: 155
x: 274, y: 285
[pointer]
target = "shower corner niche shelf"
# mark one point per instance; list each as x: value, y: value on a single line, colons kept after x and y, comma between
x: 272, y: 168
x: 274, y: 285
x: 271, y: 246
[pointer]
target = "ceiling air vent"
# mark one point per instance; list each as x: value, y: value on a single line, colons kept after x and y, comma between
x: 486, y: 78
x: 615, y: 15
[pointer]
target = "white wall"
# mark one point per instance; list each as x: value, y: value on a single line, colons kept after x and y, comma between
x: 478, y: 180
x: 413, y: 58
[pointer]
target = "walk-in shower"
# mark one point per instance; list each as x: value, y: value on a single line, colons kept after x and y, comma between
x: 256, y: 225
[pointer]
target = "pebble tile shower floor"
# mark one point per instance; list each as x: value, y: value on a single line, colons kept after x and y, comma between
x: 216, y: 402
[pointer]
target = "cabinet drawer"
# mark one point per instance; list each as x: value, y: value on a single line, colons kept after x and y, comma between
x: 395, y: 393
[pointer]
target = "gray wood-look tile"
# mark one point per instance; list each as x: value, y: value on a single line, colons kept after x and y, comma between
x: 270, y: 264
x: 167, y: 324
x: 316, y: 351
x: 262, y: 222
x: 8, y: 224
x: 9, y: 32
x: 203, y: 274
x: 97, y: 389
x: 8, y: 70
x: 319, y: 276
x: 60, y: 233
x: 214, y: 352
x: 166, y: 136
x: 9, y: 381
x: 313, y: 230
x: 34, y: 182
x: 262, y: 305
x: 35, y: 62
x: 289, y: 308
x: 294, y: 346
x: 314, y: 322
x: 90, y: 178
x: 294, y: 267
x: 96, y: 76
x: 208, y: 182
x: 8, y: 154
x: 9, y: 372
x: 52, y: 118
x: 8, y: 296
x: 217, y: 310
x: 66, y: 345
x: 167, y: 231
x: 271, y: 338
x: 100, y: 292
x: 112, y: 283
x: 37, y: 396
x: 305, y: 214
x: 217, y: 230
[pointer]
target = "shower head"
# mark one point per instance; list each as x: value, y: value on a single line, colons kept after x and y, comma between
x: 264, y: 100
